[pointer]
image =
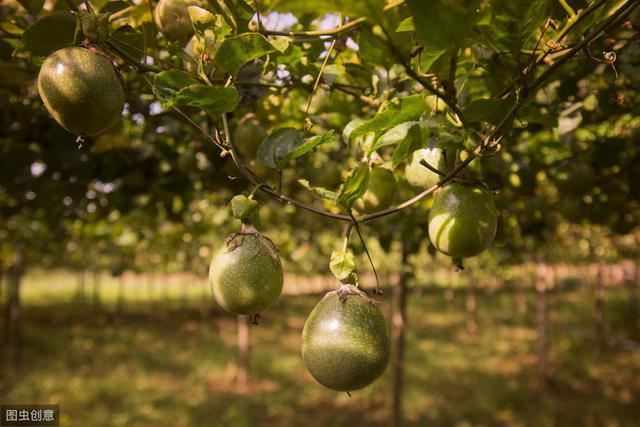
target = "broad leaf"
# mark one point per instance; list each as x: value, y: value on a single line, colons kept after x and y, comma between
x: 278, y: 145
x: 320, y: 191
x: 415, y: 140
x: 50, y: 33
x: 129, y: 40
x: 212, y: 100
x: 236, y: 51
x: 406, y: 25
x: 342, y: 264
x: 401, y: 110
x: 444, y: 24
x: 307, y: 145
x: 513, y: 24
x: 372, y: 50
x: 169, y: 83
x: 355, y: 186
x: 394, y: 136
x: 429, y: 57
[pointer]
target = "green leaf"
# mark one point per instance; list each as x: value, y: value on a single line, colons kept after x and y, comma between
x: 320, y: 191
x: 355, y: 186
x: 414, y: 141
x: 50, y: 33
x: 350, y: 127
x: 307, y: 145
x: 236, y: 51
x: 32, y: 6
x: 281, y: 44
x: 169, y: 83
x: 487, y: 110
x: 513, y: 23
x: 372, y: 50
x: 429, y: 57
x: 400, y: 110
x: 444, y: 24
x: 212, y: 100
x: 277, y: 145
x: 129, y: 40
x: 394, y: 136
x: 237, y: 12
x: 342, y: 264
x: 406, y: 25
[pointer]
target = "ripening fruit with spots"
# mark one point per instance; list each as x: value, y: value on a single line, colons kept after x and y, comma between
x: 345, y: 345
x: 245, y: 275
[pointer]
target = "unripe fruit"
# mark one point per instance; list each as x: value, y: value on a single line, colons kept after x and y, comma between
x: 172, y: 18
x: 246, y: 274
x: 421, y: 177
x: 380, y: 192
x: 81, y: 90
x: 462, y: 220
x: 344, y: 341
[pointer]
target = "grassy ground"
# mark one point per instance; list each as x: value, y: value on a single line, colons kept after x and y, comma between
x: 171, y: 362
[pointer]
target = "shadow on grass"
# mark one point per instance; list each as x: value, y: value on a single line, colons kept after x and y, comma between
x: 168, y: 366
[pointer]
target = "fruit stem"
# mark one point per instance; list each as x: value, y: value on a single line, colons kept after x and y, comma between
x: 256, y: 189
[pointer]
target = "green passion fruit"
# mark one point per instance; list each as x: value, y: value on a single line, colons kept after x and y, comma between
x: 380, y: 192
x: 81, y: 90
x: 172, y: 18
x: 246, y: 274
x: 344, y: 341
x: 418, y: 175
x: 462, y: 220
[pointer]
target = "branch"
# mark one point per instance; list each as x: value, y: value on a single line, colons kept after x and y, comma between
x: 146, y: 68
x: 274, y: 193
x: 334, y: 31
x: 624, y: 11
x: 571, y: 23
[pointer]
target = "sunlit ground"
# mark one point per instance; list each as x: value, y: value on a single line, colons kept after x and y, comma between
x: 171, y: 362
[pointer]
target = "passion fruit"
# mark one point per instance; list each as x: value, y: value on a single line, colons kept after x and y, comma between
x: 380, y: 192
x: 246, y: 274
x: 463, y: 220
x: 418, y: 175
x: 344, y: 341
x: 81, y: 90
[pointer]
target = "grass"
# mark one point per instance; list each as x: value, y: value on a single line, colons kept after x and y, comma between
x: 171, y: 362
